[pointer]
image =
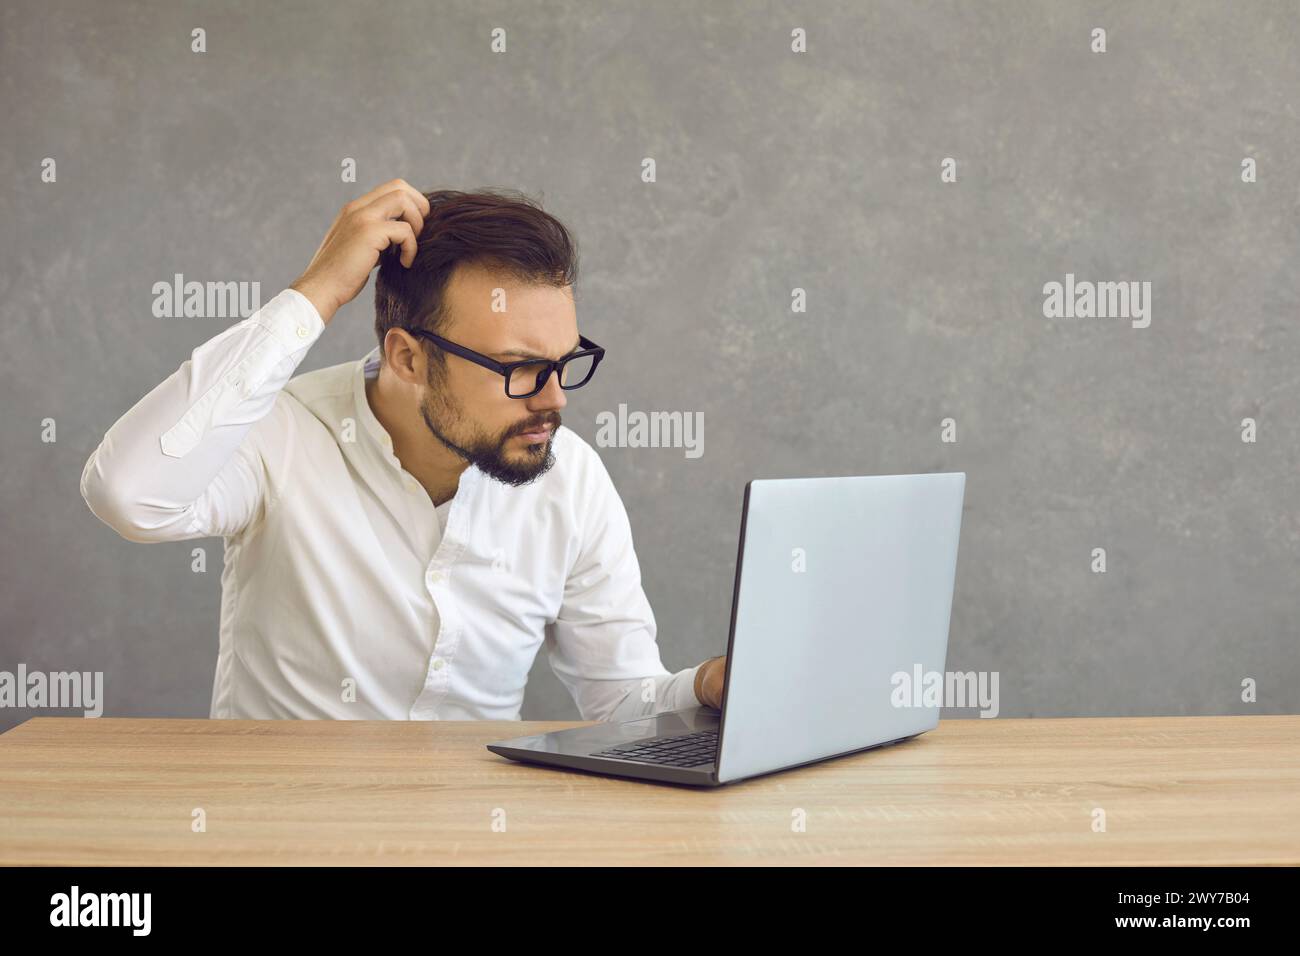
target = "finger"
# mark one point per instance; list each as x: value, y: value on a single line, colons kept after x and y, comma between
x: 398, y: 231
x: 381, y: 189
x: 396, y: 205
x: 421, y: 200
x: 397, y: 185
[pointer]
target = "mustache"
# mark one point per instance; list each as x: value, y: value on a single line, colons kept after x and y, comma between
x: 552, y: 421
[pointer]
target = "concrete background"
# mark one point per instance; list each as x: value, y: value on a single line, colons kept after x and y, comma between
x: 775, y: 170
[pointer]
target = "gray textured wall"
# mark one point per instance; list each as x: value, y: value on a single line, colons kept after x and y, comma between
x: 775, y: 170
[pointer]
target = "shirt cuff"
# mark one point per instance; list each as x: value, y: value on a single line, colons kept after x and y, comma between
x: 694, y: 700
x: 292, y: 320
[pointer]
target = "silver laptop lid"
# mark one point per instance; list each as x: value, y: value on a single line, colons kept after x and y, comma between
x: 841, y: 584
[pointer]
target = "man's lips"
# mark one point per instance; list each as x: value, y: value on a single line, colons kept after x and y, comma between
x: 537, y: 436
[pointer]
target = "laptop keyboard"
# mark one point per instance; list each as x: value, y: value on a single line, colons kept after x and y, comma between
x: 686, y: 750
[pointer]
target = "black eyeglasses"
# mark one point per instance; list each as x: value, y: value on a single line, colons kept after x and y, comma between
x: 531, y: 375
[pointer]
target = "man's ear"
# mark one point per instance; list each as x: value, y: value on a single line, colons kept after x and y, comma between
x: 403, y: 357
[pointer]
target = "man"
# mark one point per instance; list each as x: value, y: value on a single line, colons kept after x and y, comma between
x: 404, y: 532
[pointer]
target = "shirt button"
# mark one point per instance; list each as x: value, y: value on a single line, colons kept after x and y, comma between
x: 437, y: 665
x: 387, y: 441
x: 302, y: 332
x: 412, y: 484
x: 435, y: 577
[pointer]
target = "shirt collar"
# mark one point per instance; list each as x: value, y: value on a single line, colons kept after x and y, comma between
x: 368, y: 367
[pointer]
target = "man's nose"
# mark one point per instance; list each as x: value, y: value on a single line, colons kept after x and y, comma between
x: 551, y: 396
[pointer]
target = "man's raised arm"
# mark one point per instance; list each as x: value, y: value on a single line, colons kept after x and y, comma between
x: 191, y: 458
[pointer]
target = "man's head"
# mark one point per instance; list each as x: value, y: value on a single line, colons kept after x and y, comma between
x: 493, y: 273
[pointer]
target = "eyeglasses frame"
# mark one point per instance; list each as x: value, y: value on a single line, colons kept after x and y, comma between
x: 504, y: 369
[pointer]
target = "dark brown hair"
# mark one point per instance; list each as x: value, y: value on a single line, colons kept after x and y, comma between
x: 499, y: 228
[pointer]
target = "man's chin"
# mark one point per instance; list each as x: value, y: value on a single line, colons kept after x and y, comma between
x: 521, y: 466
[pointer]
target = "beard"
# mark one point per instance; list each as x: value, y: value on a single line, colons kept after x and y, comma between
x: 445, y: 418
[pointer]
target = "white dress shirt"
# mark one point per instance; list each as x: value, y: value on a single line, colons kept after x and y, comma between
x: 345, y: 593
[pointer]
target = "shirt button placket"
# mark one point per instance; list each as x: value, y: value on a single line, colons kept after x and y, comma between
x: 435, y: 577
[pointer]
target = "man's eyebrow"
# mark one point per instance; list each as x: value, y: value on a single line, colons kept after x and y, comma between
x: 533, y: 355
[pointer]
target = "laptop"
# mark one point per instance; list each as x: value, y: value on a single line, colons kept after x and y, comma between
x: 843, y: 597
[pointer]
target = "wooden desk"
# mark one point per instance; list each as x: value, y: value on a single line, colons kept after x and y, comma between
x: 1175, y: 790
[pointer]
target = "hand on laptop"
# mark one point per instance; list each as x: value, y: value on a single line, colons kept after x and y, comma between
x: 709, y: 680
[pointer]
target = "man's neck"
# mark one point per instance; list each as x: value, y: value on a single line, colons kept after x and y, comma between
x: 432, y: 464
